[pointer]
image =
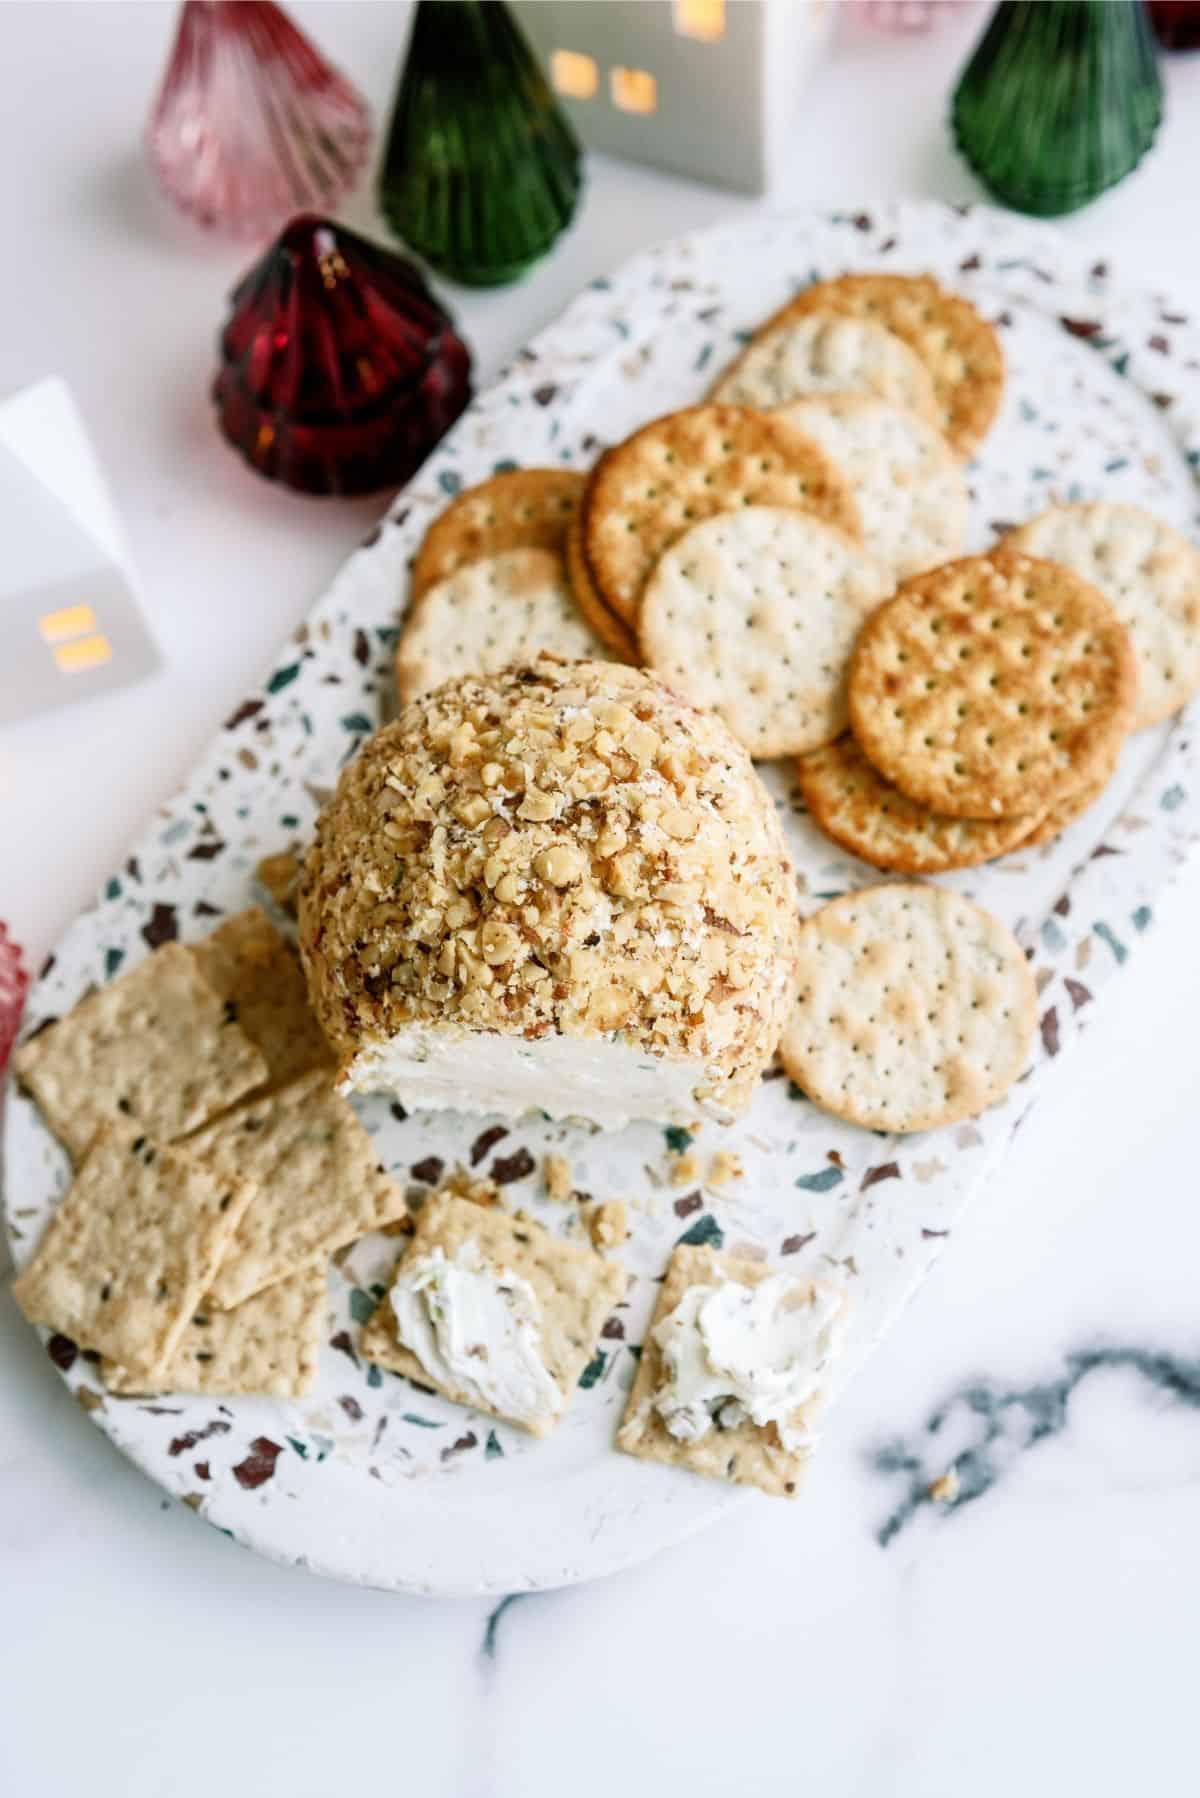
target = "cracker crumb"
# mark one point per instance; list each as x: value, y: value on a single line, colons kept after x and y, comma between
x: 724, y: 1167
x: 945, y: 1490
x: 280, y: 874
x: 556, y: 1172
x: 684, y: 1168
x: 608, y: 1224
x: 477, y: 1189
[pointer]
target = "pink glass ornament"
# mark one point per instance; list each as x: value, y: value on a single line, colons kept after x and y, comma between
x: 252, y: 124
x: 14, y: 982
x: 909, y: 15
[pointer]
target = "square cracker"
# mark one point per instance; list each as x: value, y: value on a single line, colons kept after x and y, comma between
x: 319, y: 1180
x: 750, y: 1455
x: 258, y: 974
x: 157, y: 1046
x: 129, y: 1253
x: 268, y: 1345
x: 576, y: 1289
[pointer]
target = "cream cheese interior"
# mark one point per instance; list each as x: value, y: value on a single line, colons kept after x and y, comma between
x: 604, y: 1079
x: 476, y: 1331
x: 733, y: 1353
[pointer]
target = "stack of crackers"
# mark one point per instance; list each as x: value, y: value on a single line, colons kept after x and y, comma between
x: 741, y: 546
x: 215, y: 1170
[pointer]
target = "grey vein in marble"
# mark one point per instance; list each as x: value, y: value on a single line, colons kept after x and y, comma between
x: 1004, y: 1424
x: 492, y: 1627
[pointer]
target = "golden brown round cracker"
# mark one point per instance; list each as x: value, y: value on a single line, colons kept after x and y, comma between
x: 753, y: 614
x: 1073, y: 805
x: 992, y: 685
x: 858, y: 809
x: 916, y: 1008
x: 959, y: 348
x: 524, y: 508
x: 611, y: 630
x: 826, y: 352
x: 686, y: 467
x: 1149, y: 574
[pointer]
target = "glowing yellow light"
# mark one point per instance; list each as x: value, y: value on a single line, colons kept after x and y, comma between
x: 70, y: 621
x: 634, y: 90
x: 85, y: 652
x: 703, y: 19
x: 574, y: 74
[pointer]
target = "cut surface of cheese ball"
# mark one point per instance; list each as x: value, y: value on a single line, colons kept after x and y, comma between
x: 558, y: 888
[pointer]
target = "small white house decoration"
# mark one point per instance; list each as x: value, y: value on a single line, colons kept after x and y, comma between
x: 707, y: 88
x: 72, y: 623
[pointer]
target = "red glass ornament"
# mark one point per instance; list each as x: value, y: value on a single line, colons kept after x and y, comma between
x: 339, y: 370
x: 251, y: 123
x: 1176, y: 23
x: 14, y: 983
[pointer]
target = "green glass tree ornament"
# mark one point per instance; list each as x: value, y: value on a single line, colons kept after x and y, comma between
x: 1060, y: 101
x: 481, y: 171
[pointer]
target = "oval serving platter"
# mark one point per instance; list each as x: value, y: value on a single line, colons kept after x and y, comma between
x: 370, y: 1479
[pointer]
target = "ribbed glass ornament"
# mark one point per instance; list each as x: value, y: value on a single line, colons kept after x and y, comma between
x: 481, y: 171
x: 251, y: 123
x: 1060, y: 101
x: 339, y: 370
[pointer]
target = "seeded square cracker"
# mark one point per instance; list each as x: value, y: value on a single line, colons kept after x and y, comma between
x: 268, y: 1345
x: 319, y: 1180
x: 157, y: 1046
x: 257, y: 973
x: 751, y: 1454
x: 576, y: 1289
x: 129, y: 1252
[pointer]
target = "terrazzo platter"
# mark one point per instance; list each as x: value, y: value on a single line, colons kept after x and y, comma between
x: 371, y: 1479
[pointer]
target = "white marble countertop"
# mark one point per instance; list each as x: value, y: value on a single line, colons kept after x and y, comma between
x: 1037, y: 1634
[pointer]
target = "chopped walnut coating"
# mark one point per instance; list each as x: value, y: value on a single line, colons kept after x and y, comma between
x: 563, y: 848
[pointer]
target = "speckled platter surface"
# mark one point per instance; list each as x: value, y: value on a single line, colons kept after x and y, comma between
x: 370, y: 1479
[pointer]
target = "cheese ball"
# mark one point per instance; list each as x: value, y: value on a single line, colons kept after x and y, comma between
x: 558, y: 888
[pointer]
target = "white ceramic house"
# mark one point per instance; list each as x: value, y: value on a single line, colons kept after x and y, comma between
x: 71, y: 619
x: 707, y: 88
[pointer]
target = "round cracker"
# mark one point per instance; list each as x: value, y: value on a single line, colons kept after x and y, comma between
x: 1149, y: 574
x: 992, y: 685
x: 524, y: 508
x: 959, y: 348
x: 490, y: 614
x: 828, y: 353
x: 611, y: 630
x: 912, y: 497
x: 686, y: 467
x: 916, y: 1008
x: 753, y: 614
x: 857, y: 809
x: 1065, y: 811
